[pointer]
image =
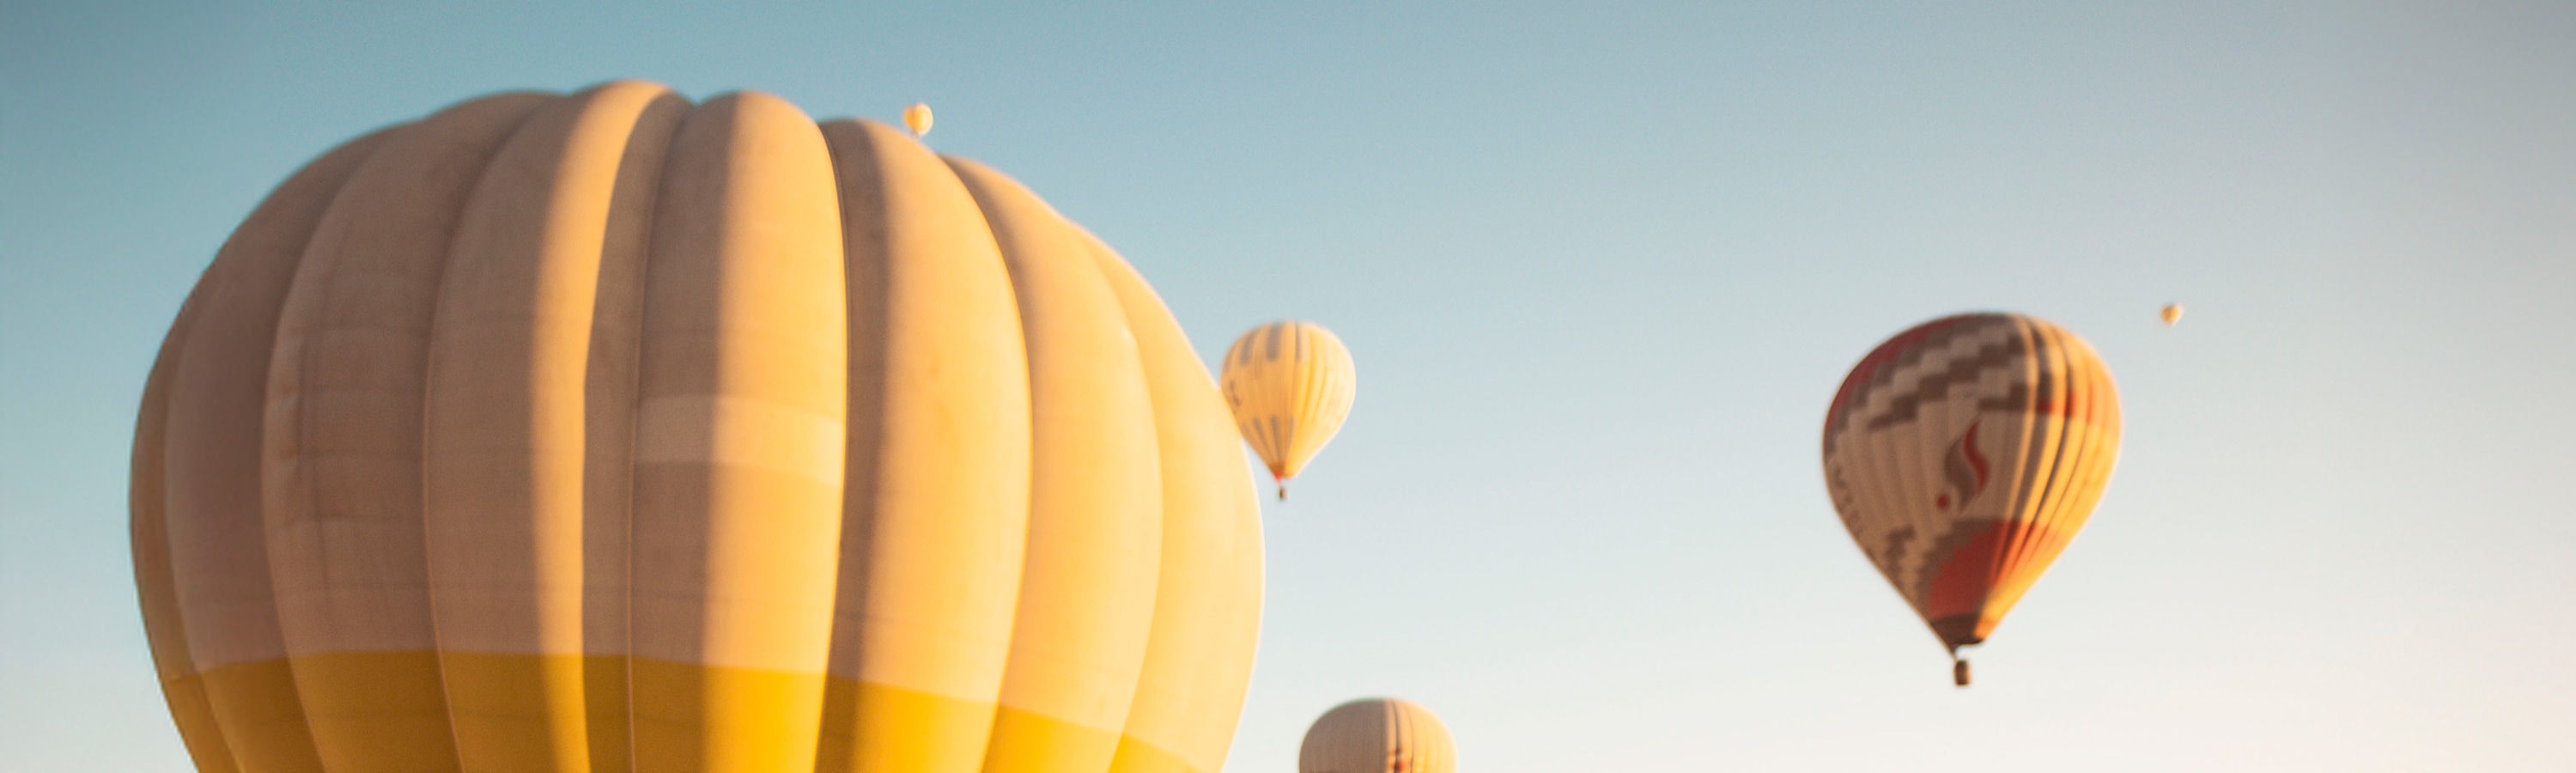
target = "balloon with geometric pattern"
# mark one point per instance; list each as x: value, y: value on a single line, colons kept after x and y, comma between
x: 1963, y: 455
x: 1290, y: 385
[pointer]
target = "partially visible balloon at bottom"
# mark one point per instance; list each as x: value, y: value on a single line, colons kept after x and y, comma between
x: 1377, y: 735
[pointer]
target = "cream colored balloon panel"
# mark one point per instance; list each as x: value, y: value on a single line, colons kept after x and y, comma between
x: 937, y: 507
x: 1199, y: 655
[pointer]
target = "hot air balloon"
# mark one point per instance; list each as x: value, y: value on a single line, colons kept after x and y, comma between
x: 611, y: 432
x: 1377, y: 735
x: 917, y: 118
x: 2171, y: 313
x: 1963, y: 454
x: 1290, y: 385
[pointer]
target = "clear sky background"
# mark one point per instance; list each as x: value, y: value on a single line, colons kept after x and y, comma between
x: 1601, y: 266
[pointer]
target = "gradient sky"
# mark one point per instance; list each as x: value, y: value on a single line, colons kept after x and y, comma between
x: 1601, y: 266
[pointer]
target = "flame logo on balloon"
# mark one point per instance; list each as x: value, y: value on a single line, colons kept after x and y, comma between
x: 1966, y: 470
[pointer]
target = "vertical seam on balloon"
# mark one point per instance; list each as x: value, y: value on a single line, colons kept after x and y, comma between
x: 2065, y: 446
x: 1925, y: 478
x: 301, y: 429
x: 1273, y: 447
x: 828, y: 735
x: 148, y: 523
x: 2023, y: 493
x: 1310, y: 393
x: 2025, y: 376
x: 2067, y: 467
x: 2086, y: 441
x: 303, y: 251
x: 2048, y: 395
x: 638, y: 270
x: 303, y: 248
x: 1393, y: 740
x: 1300, y: 383
x: 429, y: 339
x: 1968, y: 349
x: 2087, y: 470
x: 579, y: 106
x: 642, y: 273
x: 2079, y: 443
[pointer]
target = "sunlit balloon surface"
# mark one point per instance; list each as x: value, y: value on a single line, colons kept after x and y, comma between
x: 608, y: 432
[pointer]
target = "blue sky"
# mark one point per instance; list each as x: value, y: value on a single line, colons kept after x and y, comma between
x: 1601, y: 266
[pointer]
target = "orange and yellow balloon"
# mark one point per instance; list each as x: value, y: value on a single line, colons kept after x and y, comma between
x: 612, y: 432
x: 1290, y: 385
x: 917, y: 118
x: 1963, y: 454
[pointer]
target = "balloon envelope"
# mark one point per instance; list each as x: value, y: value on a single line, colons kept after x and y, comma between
x: 1963, y: 454
x: 1377, y: 735
x: 2171, y: 314
x: 917, y: 118
x: 614, y: 432
x: 1290, y: 385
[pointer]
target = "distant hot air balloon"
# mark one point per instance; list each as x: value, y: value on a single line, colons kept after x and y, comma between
x: 917, y: 118
x: 2172, y: 313
x: 1377, y: 735
x: 611, y: 432
x: 1290, y: 384
x: 1963, y: 455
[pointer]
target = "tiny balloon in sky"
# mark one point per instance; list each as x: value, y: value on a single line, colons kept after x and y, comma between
x: 2172, y: 313
x: 917, y: 118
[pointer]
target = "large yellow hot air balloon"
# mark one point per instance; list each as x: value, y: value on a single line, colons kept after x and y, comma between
x: 1963, y: 455
x: 611, y: 432
x: 1290, y: 385
x: 1377, y: 735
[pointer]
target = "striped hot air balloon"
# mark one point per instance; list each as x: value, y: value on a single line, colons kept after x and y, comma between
x: 1377, y: 735
x: 611, y: 432
x: 1963, y: 454
x: 1290, y: 385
